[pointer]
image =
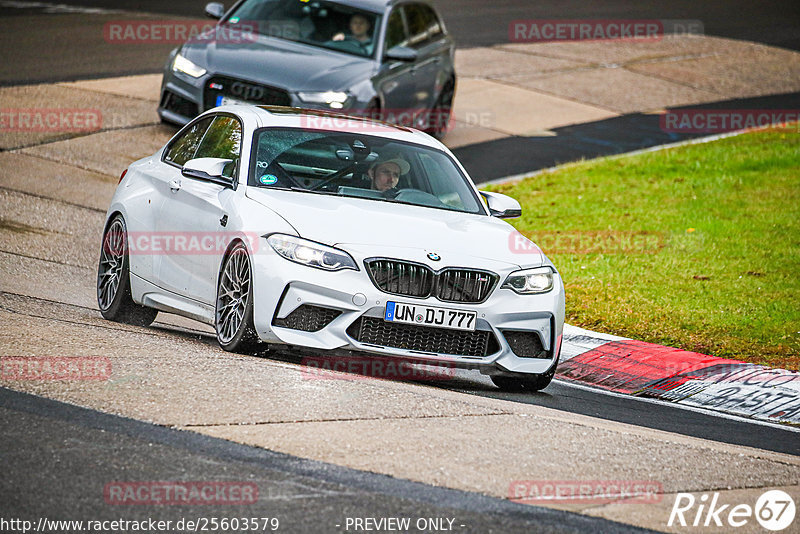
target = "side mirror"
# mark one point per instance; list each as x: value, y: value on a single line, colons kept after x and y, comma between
x: 210, y: 169
x: 215, y: 10
x: 502, y: 206
x: 401, y: 53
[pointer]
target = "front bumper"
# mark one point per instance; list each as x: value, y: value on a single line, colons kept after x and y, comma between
x: 350, y: 298
x: 184, y: 97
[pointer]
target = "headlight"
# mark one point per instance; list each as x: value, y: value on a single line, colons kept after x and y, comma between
x: 309, y: 253
x: 528, y: 281
x: 181, y: 64
x: 334, y: 99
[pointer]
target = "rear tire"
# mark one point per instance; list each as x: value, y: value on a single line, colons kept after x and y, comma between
x: 114, y: 279
x: 233, y: 317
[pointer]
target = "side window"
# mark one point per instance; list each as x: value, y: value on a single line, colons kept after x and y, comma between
x: 183, y: 148
x: 423, y: 25
x: 395, y: 30
x: 223, y: 139
x: 432, y: 22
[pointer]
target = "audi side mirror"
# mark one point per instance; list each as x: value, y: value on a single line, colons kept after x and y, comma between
x: 502, y: 206
x: 401, y: 53
x: 215, y: 10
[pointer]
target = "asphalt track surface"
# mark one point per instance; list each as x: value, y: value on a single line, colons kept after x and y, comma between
x: 575, y: 398
x: 75, y: 438
x: 36, y: 33
x: 40, y: 54
x: 47, y: 446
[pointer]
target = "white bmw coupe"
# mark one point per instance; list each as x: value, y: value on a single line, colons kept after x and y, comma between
x: 339, y: 234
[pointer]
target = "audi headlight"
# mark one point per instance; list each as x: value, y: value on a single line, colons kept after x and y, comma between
x: 309, y: 253
x: 334, y: 99
x: 529, y: 281
x: 181, y: 64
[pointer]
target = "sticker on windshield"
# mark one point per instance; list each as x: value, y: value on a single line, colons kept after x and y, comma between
x: 268, y: 179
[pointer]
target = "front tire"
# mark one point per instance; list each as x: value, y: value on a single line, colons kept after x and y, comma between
x: 233, y: 318
x: 114, y: 279
x: 442, y: 111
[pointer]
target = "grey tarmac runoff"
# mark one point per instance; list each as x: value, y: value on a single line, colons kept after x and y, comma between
x: 176, y: 407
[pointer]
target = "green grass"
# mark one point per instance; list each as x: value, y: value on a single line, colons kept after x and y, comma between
x: 714, y: 261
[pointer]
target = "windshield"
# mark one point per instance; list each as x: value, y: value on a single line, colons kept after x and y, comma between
x: 324, y: 24
x: 361, y: 166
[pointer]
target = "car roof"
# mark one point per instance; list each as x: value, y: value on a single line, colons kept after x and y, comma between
x: 279, y: 116
x: 377, y: 6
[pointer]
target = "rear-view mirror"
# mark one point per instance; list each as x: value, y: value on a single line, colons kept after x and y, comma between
x: 401, y: 53
x: 502, y: 206
x: 215, y: 10
x: 217, y: 170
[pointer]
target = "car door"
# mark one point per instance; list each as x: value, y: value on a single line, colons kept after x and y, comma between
x: 430, y: 42
x: 143, y: 242
x: 194, y: 217
x: 396, y: 79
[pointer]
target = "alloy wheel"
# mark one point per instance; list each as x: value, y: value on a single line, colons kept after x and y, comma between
x: 233, y: 295
x: 112, y: 262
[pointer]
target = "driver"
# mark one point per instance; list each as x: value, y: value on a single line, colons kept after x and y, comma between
x: 359, y: 30
x: 386, y: 172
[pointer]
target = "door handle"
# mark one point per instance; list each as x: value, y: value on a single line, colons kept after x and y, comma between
x: 174, y: 185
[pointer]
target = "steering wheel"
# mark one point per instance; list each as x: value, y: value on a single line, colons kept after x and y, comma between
x: 334, y: 176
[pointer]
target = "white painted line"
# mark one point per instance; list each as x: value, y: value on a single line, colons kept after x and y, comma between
x: 703, y: 411
x: 56, y: 8
x: 696, y: 141
x: 573, y: 331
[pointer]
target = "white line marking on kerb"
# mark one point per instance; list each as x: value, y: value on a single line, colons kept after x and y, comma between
x: 703, y: 411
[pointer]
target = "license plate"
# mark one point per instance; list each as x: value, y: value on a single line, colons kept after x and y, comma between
x: 224, y: 100
x: 398, y: 312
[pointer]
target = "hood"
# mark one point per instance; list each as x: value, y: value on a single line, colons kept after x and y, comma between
x: 281, y: 63
x: 374, y: 228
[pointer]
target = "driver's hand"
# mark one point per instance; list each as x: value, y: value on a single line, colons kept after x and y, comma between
x: 391, y: 193
x: 338, y: 37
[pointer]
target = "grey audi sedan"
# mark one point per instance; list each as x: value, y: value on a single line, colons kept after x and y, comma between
x: 390, y: 59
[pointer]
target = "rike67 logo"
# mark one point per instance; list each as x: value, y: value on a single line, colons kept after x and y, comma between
x: 774, y: 510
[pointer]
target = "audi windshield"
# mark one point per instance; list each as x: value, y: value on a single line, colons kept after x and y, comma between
x: 323, y: 24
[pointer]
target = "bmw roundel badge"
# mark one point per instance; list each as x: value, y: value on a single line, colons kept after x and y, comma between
x: 434, y: 256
